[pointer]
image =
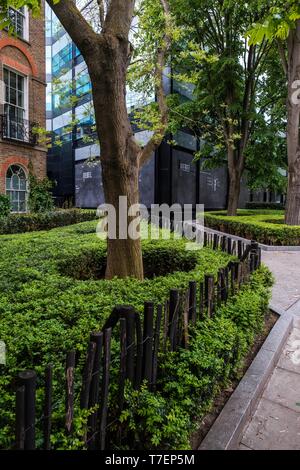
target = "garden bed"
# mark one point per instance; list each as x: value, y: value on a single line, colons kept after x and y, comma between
x: 263, y: 226
x: 48, y: 307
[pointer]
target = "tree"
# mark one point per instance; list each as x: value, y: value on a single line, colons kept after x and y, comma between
x: 107, y: 51
x: 215, y: 57
x: 281, y: 26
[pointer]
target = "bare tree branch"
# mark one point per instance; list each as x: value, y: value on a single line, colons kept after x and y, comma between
x: 75, y: 24
x: 162, y: 53
x: 101, y: 12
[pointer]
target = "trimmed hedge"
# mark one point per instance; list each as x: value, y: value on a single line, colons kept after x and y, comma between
x: 4, y: 206
x: 265, y: 205
x: 20, y: 223
x: 263, y: 226
x: 43, y: 314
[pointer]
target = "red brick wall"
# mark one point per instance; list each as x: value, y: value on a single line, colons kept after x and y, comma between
x: 27, y: 58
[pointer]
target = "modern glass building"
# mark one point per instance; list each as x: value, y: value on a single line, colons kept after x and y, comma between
x: 73, y: 160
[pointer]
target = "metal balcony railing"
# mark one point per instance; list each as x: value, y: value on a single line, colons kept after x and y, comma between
x: 17, y: 130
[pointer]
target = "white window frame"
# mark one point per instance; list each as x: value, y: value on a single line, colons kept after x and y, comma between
x: 10, y: 190
x: 26, y: 90
x: 25, y: 15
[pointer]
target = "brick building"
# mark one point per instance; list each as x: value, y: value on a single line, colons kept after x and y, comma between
x: 22, y: 106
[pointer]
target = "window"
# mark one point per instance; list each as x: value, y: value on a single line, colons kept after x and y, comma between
x: 14, y: 105
x: 16, y: 188
x: 62, y: 60
x: 18, y: 20
x: 83, y: 83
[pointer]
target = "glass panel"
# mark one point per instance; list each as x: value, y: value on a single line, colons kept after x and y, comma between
x: 20, y: 99
x: 13, y: 96
x: 15, y: 206
x: 6, y: 93
x: 20, y: 83
x: 15, y: 182
x: 23, y: 184
x: 13, y: 80
x: 22, y: 206
x: 6, y: 76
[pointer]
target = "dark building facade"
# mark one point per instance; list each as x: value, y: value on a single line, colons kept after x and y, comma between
x: 170, y: 176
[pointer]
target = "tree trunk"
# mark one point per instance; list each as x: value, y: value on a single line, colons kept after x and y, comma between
x: 124, y: 255
x: 234, y: 192
x: 235, y: 170
x: 292, y: 213
x: 119, y: 151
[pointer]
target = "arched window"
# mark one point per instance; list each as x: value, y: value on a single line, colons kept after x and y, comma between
x: 16, y: 188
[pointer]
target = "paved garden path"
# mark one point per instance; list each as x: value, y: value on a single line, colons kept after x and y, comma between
x: 285, y: 265
x: 275, y: 424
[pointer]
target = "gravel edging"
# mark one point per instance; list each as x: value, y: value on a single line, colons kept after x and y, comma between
x: 228, y: 427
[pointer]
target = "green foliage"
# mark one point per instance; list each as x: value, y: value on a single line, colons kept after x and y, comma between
x: 44, y: 313
x: 265, y: 205
x: 159, y: 259
x: 191, y: 378
x: 19, y: 223
x: 277, y: 23
x: 4, y: 206
x: 264, y: 226
x: 40, y: 199
x: 236, y: 103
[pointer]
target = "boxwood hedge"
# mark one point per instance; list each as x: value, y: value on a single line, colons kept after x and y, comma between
x: 29, y: 222
x: 45, y: 311
x: 264, y: 226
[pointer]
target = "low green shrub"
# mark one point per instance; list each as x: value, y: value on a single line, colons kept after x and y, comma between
x: 191, y: 378
x: 265, y: 205
x: 159, y: 259
x: 44, y: 314
x: 40, y: 199
x: 4, y: 206
x: 20, y: 223
x: 264, y: 226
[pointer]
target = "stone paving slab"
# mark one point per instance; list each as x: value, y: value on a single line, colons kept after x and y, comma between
x: 284, y: 389
x: 243, y: 447
x: 273, y: 427
x: 290, y: 357
x: 285, y: 267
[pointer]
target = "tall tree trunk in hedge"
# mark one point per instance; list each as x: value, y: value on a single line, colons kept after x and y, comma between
x: 292, y: 214
x: 119, y: 152
x: 234, y: 191
x: 236, y: 158
x: 107, y: 55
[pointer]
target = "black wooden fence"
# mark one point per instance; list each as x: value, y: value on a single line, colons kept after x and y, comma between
x: 161, y: 328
